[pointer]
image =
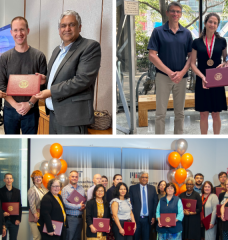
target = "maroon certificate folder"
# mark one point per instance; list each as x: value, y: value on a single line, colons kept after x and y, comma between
x: 168, y: 219
x: 101, y: 224
x: 23, y: 85
x: 11, y: 207
x: 206, y: 221
x: 226, y: 214
x: 31, y: 216
x: 219, y: 190
x: 217, y: 77
x: 129, y: 228
x: 76, y: 198
x: 189, y: 204
x: 218, y: 210
x: 57, y: 226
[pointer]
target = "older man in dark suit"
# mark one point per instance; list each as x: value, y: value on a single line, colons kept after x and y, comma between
x: 144, y: 201
x: 72, y: 72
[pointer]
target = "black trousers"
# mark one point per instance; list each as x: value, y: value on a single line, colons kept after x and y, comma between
x: 117, y: 234
x: 56, y: 128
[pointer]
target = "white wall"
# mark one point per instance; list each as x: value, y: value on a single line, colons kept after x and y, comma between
x: 10, y: 9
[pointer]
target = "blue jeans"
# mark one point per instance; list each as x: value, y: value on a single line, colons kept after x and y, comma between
x: 12, y: 229
x: 13, y: 121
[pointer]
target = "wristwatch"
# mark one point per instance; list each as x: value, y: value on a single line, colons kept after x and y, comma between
x: 31, y: 104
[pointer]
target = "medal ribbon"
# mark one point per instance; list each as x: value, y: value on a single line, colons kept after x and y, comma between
x: 210, y: 51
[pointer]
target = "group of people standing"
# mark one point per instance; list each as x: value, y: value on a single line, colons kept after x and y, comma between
x: 169, y: 46
x: 141, y: 204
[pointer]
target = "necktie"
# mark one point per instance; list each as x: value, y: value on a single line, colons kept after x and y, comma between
x: 144, y: 201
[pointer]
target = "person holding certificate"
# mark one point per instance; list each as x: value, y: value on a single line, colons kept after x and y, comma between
x: 9, y: 196
x: 97, y: 207
x: 35, y: 195
x: 121, y: 209
x: 191, y: 221
x: 170, y: 204
x: 208, y: 50
x: 52, y: 209
x: 209, y: 203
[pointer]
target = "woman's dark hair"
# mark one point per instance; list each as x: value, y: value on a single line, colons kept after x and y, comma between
x: 203, y: 33
x: 207, y: 182
x: 171, y: 185
x: 117, y: 193
x: 104, y: 177
x: 159, y: 185
x: 116, y: 175
x: 95, y: 190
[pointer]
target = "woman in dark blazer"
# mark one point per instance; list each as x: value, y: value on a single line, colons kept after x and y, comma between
x: 52, y: 208
x: 97, y: 207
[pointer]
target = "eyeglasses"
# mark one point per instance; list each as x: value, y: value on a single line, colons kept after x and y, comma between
x: 189, y: 184
x: 55, y: 186
x: 173, y: 11
x: 37, y: 177
x: 100, y: 191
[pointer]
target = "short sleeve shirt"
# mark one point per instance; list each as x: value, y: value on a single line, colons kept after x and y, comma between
x: 172, y: 48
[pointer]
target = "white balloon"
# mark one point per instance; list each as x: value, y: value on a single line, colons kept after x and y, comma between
x: 63, y: 179
x: 181, y: 146
x: 54, y: 166
x: 44, y: 167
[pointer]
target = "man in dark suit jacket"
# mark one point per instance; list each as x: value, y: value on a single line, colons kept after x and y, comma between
x: 72, y: 72
x: 10, y: 194
x: 144, y: 201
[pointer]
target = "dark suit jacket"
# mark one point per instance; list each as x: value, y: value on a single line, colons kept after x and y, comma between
x: 91, y: 212
x: 16, y: 197
x: 2, y: 220
x: 50, y: 210
x: 136, y: 202
x: 72, y: 88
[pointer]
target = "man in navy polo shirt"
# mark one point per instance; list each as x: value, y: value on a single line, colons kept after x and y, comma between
x: 169, y: 46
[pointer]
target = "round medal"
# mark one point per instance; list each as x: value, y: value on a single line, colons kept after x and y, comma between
x: 210, y: 62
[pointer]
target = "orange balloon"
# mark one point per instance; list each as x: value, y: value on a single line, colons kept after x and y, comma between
x: 180, y: 175
x: 186, y: 160
x: 56, y: 150
x: 183, y: 188
x: 64, y: 166
x: 174, y: 159
x: 177, y: 189
x: 46, y: 178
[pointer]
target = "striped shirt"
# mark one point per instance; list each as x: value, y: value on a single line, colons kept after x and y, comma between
x: 72, y: 209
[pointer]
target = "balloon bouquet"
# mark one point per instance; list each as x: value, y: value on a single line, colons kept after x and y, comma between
x: 180, y: 161
x: 54, y: 168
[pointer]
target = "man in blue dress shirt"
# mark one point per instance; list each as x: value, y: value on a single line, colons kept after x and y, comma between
x: 73, y: 211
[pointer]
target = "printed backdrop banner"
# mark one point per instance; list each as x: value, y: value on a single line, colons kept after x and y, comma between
x: 91, y: 160
x: 153, y: 161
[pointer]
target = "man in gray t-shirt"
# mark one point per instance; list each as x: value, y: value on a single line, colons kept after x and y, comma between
x: 21, y: 112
